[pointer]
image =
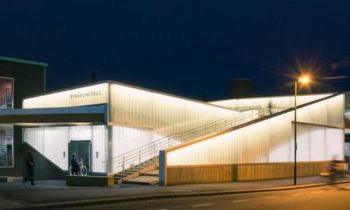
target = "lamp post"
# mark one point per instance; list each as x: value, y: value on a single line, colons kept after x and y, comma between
x: 304, y: 80
x: 295, y: 131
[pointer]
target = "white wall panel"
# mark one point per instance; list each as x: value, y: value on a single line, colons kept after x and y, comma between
x: 82, y: 133
x: 280, y: 145
x: 55, y: 143
x: 336, y: 111
x: 276, y: 101
x: 99, y: 148
x: 35, y: 138
x: 270, y: 140
x: 163, y: 113
x: 303, y: 143
x: 335, y: 143
x: 127, y: 139
x: 317, y: 143
x: 52, y: 142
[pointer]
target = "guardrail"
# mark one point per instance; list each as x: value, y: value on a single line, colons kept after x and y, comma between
x: 146, y: 152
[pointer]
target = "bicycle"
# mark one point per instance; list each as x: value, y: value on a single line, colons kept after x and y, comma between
x: 82, y: 169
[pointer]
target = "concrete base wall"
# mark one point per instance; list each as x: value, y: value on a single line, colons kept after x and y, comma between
x: 90, y: 181
x: 176, y: 175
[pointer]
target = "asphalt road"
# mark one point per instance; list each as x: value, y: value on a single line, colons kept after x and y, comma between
x: 333, y: 197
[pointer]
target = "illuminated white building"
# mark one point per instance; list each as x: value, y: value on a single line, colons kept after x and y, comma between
x: 112, y: 126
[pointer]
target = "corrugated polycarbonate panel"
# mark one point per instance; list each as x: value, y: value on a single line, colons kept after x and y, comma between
x: 55, y: 143
x: 336, y: 111
x: 127, y: 139
x: 280, y: 145
x: 303, y: 143
x: 334, y: 143
x: 270, y: 140
x: 282, y: 101
x: 95, y: 94
x: 250, y: 144
x: 141, y: 108
x: 99, y: 148
x: 318, y: 143
x: 35, y: 138
x: 328, y: 112
x: 83, y: 133
x: 52, y: 142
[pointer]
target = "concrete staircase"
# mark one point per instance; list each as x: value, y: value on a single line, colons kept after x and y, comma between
x: 143, y: 169
x: 148, y: 178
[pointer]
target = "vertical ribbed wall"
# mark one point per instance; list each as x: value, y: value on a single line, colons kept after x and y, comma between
x: 52, y: 142
x: 136, y: 107
x: 272, y: 140
x: 282, y: 101
x: 94, y: 94
x: 127, y: 139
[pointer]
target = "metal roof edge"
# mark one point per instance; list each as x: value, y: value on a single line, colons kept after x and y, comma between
x: 17, y: 60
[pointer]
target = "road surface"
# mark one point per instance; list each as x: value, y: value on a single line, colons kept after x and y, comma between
x: 333, y: 197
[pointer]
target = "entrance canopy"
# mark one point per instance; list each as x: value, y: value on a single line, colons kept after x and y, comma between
x: 96, y: 114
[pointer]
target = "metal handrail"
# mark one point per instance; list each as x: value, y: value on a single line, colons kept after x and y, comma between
x: 151, y: 150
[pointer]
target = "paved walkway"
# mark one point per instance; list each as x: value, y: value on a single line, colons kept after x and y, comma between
x: 55, y: 193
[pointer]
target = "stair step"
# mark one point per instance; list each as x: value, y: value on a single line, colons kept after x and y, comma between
x: 154, y: 173
x: 119, y: 175
x: 132, y: 171
x: 143, y: 180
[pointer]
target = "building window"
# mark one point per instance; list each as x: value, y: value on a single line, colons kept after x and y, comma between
x: 6, y: 145
x: 6, y: 93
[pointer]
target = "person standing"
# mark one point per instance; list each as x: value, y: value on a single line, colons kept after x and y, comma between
x: 74, y: 165
x: 30, y: 168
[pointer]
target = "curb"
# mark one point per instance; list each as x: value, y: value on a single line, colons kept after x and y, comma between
x: 66, y: 204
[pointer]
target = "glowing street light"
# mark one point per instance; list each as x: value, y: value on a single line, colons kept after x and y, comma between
x: 303, y: 80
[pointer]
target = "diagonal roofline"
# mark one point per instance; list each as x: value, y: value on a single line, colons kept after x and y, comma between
x: 130, y: 86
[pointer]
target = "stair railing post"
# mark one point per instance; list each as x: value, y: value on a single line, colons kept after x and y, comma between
x: 139, y: 161
x: 154, y: 150
x: 123, y: 166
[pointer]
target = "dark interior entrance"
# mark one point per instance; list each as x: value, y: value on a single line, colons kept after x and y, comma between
x: 82, y: 149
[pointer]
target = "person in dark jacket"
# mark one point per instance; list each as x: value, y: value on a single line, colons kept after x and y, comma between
x: 74, y: 165
x: 30, y: 168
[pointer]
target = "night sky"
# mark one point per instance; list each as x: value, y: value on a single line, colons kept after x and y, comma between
x: 183, y: 47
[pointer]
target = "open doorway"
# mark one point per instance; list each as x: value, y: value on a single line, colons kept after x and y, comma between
x: 82, y: 150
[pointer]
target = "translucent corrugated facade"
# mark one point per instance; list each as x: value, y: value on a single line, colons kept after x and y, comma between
x: 144, y: 108
x: 52, y: 142
x: 139, y: 117
x: 275, y: 101
x: 89, y: 95
x: 320, y: 135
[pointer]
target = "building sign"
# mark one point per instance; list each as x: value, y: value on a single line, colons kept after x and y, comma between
x: 85, y: 94
x: 6, y: 93
x: 89, y: 95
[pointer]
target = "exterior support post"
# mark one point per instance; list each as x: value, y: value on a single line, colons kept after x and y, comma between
x: 110, y: 149
x: 295, y: 131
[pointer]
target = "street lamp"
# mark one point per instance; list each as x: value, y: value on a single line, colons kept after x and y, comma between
x: 302, y: 80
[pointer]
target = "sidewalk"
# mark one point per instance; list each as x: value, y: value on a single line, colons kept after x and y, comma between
x: 56, y: 194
